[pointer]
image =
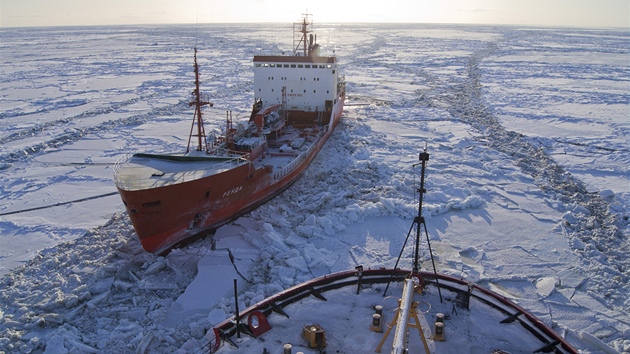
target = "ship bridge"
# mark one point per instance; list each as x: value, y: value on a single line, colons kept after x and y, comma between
x: 310, y: 81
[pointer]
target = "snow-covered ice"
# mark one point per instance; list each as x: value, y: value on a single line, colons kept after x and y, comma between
x: 528, y: 181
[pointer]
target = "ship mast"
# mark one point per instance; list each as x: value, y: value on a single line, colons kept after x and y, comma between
x: 198, y: 100
x: 300, y: 36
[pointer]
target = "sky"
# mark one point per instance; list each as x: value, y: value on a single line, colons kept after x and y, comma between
x: 580, y: 13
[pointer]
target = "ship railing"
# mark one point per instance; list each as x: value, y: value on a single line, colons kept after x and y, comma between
x: 131, y: 184
x: 461, y: 289
x: 299, y: 158
x: 221, y: 150
x: 221, y: 166
x: 117, y: 166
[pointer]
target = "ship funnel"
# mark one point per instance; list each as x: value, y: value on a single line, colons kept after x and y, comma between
x: 310, y: 45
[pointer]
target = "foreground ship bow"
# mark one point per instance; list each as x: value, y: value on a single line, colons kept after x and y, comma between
x: 387, y: 309
x: 173, y: 199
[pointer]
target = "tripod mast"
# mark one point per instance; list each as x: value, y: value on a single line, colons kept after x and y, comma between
x: 420, y: 224
x: 424, y: 157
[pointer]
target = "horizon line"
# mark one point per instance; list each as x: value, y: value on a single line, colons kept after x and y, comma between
x: 323, y: 22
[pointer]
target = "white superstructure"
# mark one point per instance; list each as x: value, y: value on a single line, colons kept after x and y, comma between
x: 311, y: 80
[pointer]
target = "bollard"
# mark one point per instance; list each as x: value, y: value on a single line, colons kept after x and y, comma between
x: 379, y: 309
x: 439, y: 331
x: 377, y: 323
x: 439, y: 327
x: 287, y: 348
x: 377, y: 319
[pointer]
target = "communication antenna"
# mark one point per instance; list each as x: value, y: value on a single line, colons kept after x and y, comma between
x: 420, y: 225
x: 197, y: 24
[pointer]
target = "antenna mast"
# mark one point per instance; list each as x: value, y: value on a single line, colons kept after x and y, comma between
x: 300, y: 36
x: 198, y: 100
x: 418, y: 221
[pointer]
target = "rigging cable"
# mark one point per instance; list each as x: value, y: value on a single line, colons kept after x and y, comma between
x: 60, y: 204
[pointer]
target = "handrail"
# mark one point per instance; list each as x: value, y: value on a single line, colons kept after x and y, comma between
x: 324, y: 283
x: 117, y: 166
x: 302, y: 156
x: 127, y: 184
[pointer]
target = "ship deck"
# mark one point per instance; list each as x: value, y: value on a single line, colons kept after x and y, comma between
x: 278, y: 162
x: 284, y: 152
x: 342, y: 304
x: 144, y: 171
x: 148, y: 171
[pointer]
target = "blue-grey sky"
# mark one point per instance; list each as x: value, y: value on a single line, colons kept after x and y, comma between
x: 582, y: 13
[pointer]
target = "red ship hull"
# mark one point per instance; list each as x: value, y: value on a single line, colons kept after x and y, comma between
x: 172, y: 215
x: 174, y: 199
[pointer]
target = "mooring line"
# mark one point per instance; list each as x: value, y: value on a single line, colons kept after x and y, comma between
x: 59, y: 204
